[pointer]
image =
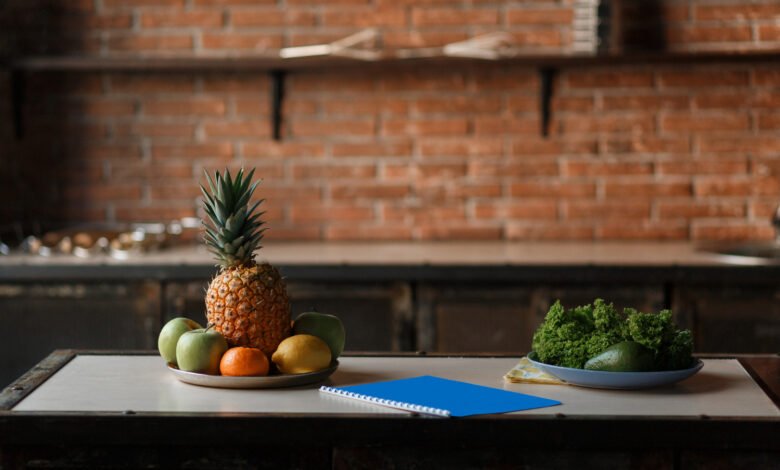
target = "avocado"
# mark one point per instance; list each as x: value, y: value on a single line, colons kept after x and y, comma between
x: 628, y: 356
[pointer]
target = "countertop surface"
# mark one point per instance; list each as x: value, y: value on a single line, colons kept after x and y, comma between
x: 116, y: 383
x: 415, y: 253
x: 381, y: 261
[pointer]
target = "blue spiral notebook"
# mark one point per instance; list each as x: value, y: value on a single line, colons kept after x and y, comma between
x: 441, y: 397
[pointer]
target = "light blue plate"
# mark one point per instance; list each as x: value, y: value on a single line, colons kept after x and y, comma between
x: 615, y: 380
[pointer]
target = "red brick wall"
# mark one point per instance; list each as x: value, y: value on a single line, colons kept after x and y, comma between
x: 635, y: 152
x: 110, y: 27
x: 701, y: 25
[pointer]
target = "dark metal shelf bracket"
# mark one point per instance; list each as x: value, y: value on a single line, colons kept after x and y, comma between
x: 546, y: 89
x: 277, y: 101
x: 17, y: 101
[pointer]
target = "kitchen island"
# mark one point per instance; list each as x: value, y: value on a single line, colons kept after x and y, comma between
x: 126, y: 410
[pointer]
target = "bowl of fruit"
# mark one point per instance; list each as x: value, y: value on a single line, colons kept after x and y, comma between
x: 250, y: 340
x: 202, y: 356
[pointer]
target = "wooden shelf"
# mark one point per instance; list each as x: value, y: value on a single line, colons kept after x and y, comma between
x: 273, y: 62
x: 277, y: 68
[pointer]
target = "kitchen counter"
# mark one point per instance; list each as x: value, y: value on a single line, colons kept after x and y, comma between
x: 490, y: 261
x: 103, y: 407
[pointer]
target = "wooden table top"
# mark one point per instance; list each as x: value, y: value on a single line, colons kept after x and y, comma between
x: 143, y: 384
x: 109, y: 396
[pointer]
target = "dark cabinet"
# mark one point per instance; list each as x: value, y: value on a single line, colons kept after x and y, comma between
x: 185, y: 299
x: 376, y: 316
x: 468, y: 318
x: 731, y: 319
x: 39, y: 318
x: 503, y: 318
x: 643, y: 297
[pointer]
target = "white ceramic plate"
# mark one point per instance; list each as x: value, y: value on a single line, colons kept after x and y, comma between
x: 270, y: 381
x: 616, y: 380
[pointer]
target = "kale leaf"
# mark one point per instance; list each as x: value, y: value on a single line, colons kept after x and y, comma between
x: 568, y: 338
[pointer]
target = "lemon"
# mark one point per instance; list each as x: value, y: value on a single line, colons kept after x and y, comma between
x: 300, y: 354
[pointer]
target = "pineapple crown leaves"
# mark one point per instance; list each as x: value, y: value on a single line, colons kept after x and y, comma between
x: 235, y: 229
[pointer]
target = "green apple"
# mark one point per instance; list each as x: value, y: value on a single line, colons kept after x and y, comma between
x: 169, y: 336
x: 326, y: 327
x: 201, y: 350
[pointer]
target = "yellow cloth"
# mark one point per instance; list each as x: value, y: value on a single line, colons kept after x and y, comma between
x: 525, y: 372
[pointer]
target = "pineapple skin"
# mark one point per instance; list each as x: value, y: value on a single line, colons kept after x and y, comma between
x: 249, y: 305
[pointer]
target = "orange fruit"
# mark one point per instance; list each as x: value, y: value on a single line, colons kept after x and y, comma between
x: 241, y: 361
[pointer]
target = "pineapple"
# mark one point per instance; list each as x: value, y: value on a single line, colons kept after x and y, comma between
x: 247, y: 302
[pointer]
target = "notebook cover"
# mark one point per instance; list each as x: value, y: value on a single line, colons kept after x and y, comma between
x: 459, y: 398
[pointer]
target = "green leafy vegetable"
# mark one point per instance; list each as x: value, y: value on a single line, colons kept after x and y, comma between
x: 568, y: 338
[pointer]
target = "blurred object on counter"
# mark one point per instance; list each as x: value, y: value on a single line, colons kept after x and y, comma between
x: 186, y: 229
x: 120, y: 241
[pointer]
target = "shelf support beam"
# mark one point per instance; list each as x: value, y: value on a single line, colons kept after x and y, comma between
x: 277, y: 101
x: 546, y: 89
x: 17, y: 101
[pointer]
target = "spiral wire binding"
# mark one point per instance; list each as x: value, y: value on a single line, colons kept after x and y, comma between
x: 391, y: 403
